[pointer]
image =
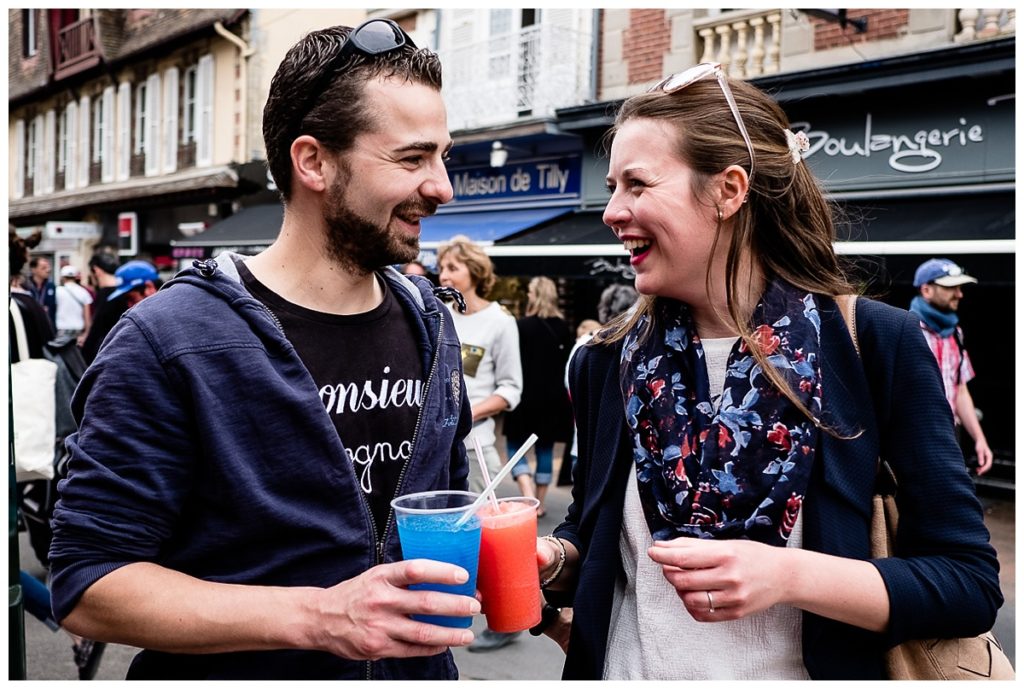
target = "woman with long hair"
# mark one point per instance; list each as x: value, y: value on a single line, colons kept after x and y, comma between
x: 544, y: 344
x: 729, y: 432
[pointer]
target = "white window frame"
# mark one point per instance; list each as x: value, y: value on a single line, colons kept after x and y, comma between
x: 31, y: 149
x: 84, y: 152
x: 170, y: 124
x: 46, y: 154
x: 204, y: 111
x: 71, y: 127
x: 107, y: 144
x: 153, y: 125
x: 190, y: 86
x: 31, y: 29
x: 19, y: 158
x: 98, y: 123
x: 62, y: 140
x: 141, y: 117
x: 124, y: 131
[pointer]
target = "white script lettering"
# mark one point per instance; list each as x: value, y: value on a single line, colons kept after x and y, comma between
x: 371, y: 395
x: 911, y: 153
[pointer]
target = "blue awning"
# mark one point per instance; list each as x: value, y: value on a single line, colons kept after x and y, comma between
x: 484, y: 226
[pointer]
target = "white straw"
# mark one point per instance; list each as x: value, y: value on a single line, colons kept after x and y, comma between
x: 483, y: 470
x: 505, y: 471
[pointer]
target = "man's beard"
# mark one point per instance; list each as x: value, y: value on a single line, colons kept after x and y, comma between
x: 361, y: 246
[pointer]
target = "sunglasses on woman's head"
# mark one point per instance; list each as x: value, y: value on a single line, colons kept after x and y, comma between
x: 680, y: 80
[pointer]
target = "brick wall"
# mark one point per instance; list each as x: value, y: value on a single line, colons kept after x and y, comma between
x: 882, y: 24
x: 645, y: 43
x: 26, y: 73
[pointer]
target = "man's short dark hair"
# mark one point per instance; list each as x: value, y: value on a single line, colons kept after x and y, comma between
x: 312, y: 94
x: 107, y: 262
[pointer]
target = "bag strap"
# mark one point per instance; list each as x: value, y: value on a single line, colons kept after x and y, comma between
x: 19, y: 331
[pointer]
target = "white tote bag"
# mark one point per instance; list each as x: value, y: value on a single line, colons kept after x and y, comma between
x: 33, y: 386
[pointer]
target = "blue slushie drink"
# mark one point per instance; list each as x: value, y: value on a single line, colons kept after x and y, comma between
x: 426, y: 530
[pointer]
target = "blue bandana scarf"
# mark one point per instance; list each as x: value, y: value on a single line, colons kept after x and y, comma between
x: 941, y: 322
x: 740, y: 472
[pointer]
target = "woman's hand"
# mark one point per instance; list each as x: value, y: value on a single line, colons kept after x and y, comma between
x: 548, y: 555
x: 558, y: 631
x: 723, y: 580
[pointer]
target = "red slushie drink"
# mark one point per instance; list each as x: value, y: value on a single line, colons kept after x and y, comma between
x: 508, y: 580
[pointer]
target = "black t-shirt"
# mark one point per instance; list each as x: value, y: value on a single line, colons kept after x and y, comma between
x: 104, y: 319
x: 370, y: 378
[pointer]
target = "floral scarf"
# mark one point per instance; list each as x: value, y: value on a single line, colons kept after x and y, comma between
x: 740, y: 472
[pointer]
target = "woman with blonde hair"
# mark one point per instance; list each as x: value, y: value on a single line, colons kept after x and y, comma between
x: 730, y: 433
x: 544, y: 344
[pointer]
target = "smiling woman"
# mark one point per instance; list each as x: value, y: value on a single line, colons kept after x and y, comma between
x: 728, y: 433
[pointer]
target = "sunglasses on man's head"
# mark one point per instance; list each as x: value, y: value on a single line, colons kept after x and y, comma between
x: 679, y: 81
x: 375, y: 37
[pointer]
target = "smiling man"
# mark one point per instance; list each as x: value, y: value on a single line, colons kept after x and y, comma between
x: 940, y: 285
x: 237, y: 524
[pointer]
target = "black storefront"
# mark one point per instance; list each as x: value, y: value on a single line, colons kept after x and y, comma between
x: 917, y: 152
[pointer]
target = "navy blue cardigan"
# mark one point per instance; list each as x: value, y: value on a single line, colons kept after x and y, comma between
x: 946, y: 583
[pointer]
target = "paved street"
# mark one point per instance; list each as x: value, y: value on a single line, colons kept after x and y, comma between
x: 528, y: 658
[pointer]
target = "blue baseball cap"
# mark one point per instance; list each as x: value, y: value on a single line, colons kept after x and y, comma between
x: 131, y: 275
x: 942, y: 272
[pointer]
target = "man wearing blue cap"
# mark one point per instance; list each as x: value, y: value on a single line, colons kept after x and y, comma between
x: 939, y: 281
x: 136, y: 280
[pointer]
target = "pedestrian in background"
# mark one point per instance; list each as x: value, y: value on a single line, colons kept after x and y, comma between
x: 227, y: 507
x: 34, y: 496
x: 74, y: 306
x: 136, y: 280
x: 728, y: 433
x: 414, y: 268
x: 102, y: 271
x: 40, y: 285
x: 614, y: 300
x: 940, y: 288
x: 490, y: 348
x: 491, y: 368
x: 544, y: 345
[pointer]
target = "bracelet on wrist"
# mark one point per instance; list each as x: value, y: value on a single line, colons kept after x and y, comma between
x: 561, y: 562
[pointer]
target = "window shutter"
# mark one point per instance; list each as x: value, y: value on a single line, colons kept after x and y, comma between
x: 71, y: 126
x: 39, y: 181
x: 153, y: 125
x: 19, y: 158
x: 124, y: 130
x: 204, y: 112
x: 107, y: 145
x: 48, y: 153
x: 170, y: 138
x: 84, y: 111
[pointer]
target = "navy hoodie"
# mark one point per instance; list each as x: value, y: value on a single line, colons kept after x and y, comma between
x: 204, y: 447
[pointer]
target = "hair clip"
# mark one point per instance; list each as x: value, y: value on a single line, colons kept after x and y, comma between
x: 798, y: 143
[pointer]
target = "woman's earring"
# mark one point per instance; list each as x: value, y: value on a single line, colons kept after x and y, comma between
x: 717, y: 208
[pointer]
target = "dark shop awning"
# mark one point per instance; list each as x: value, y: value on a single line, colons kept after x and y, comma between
x: 252, y: 226
x: 925, y: 222
x: 483, y: 226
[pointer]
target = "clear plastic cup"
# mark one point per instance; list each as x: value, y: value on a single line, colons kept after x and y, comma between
x: 426, y: 530
x: 508, y: 580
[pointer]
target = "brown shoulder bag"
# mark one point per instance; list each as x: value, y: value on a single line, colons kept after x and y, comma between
x: 978, y: 657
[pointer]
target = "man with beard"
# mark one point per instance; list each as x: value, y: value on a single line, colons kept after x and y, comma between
x: 939, y: 281
x: 244, y: 430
